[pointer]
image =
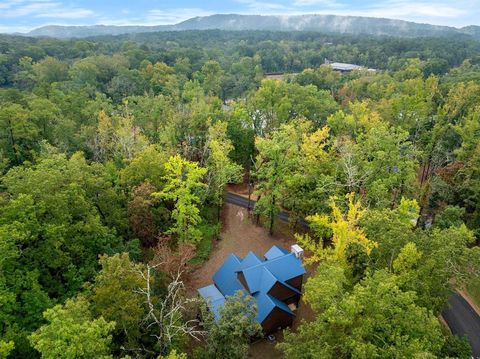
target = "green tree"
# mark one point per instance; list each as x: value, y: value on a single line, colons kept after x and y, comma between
x: 212, y: 75
x: 5, y: 348
x: 184, y: 188
x: 278, y: 102
x: 375, y: 320
x: 228, y: 337
x: 72, y: 332
x: 51, y: 233
x: 221, y: 169
x: 115, y: 297
x: 271, y: 168
x: 19, y: 133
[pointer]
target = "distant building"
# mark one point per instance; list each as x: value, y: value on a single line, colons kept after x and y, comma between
x: 274, y: 282
x: 343, y: 67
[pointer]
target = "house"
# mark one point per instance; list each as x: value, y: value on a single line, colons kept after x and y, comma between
x: 274, y: 282
x: 343, y: 67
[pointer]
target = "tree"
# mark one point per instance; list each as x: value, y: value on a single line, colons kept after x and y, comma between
x: 72, y: 332
x: 166, y: 317
x: 391, y: 229
x: 344, y: 230
x: 221, y: 169
x: 147, y: 165
x: 174, y: 355
x: 212, y: 77
x: 51, y: 233
x: 183, y: 187
x: 327, y: 286
x: 19, y: 133
x: 277, y: 155
x: 115, y: 298
x: 50, y: 70
x: 117, y: 138
x: 443, y: 257
x: 140, y: 214
x: 228, y: 337
x: 5, y: 348
x: 278, y: 102
x: 375, y: 320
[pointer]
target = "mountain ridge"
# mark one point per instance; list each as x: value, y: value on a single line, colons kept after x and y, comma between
x: 235, y: 22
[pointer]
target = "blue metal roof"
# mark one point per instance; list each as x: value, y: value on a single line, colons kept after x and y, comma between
x: 226, y: 277
x: 282, y: 268
x: 214, y: 299
x: 275, y: 252
x: 251, y: 259
x: 260, y: 276
x: 285, y: 267
x: 266, y: 303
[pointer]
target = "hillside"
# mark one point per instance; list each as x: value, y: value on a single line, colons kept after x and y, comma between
x: 321, y: 23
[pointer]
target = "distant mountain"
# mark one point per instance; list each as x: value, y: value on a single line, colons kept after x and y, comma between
x: 321, y: 23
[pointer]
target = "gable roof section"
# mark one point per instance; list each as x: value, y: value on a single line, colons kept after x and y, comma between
x: 266, y: 303
x: 250, y: 260
x: 214, y: 299
x: 275, y: 252
x: 226, y: 278
x: 280, y: 269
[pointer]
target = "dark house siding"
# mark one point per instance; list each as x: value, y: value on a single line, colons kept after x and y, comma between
x: 296, y: 282
x: 276, y: 319
x: 241, y: 279
x: 284, y: 294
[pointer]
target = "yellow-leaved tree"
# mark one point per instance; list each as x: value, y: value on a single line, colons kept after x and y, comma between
x: 341, y: 228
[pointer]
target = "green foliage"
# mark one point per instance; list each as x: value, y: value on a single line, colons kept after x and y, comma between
x: 450, y: 216
x: 5, y: 348
x: 375, y: 320
x: 174, y: 355
x: 91, y: 128
x: 210, y: 232
x: 229, y: 336
x: 221, y: 169
x: 277, y: 102
x: 457, y: 347
x: 71, y: 332
x: 184, y: 188
x: 115, y: 297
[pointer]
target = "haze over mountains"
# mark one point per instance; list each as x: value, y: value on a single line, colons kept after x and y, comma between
x: 320, y: 23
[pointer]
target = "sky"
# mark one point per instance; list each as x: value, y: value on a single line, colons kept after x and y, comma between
x: 24, y: 15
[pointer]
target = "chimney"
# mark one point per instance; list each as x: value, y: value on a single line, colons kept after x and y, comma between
x: 297, y: 250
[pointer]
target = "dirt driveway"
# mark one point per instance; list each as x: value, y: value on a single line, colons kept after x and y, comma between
x: 240, y: 236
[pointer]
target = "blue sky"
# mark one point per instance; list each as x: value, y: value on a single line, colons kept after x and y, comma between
x: 23, y: 15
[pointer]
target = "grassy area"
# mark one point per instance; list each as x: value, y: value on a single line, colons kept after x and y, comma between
x: 473, y: 289
x: 209, y: 234
x: 210, y: 230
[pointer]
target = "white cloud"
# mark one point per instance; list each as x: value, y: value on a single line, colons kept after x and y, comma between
x: 263, y: 7
x: 42, y: 9
x: 174, y: 16
x: 397, y: 9
x: 328, y: 3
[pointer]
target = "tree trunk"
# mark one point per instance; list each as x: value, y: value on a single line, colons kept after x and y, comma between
x: 272, y: 217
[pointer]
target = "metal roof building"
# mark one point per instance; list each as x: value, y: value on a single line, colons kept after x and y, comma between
x: 273, y: 281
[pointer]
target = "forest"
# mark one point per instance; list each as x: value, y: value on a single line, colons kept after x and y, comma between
x: 116, y: 153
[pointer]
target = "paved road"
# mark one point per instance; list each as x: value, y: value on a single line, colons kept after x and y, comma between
x: 463, y: 320
x: 460, y: 316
